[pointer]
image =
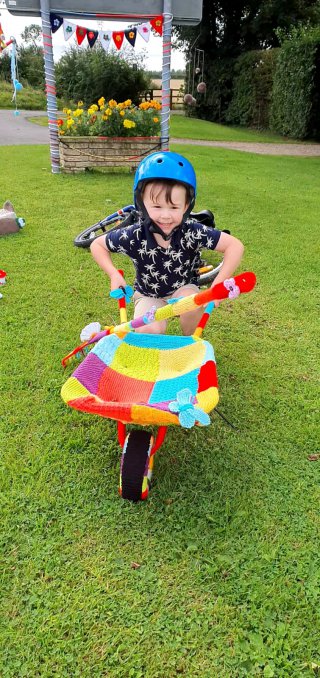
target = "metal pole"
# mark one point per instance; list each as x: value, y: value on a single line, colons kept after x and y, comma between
x: 166, y: 72
x: 50, y: 85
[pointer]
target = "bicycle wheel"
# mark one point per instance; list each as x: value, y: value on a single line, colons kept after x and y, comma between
x: 136, y: 466
x: 86, y: 237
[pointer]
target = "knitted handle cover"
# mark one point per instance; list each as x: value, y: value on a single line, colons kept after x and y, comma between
x: 245, y: 282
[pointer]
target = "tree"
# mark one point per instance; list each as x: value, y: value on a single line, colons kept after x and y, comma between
x: 230, y: 27
x: 32, y: 34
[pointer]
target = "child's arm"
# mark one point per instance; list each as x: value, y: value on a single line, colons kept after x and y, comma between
x: 232, y: 250
x: 102, y: 256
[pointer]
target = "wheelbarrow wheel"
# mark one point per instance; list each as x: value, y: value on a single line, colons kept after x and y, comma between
x: 136, y: 466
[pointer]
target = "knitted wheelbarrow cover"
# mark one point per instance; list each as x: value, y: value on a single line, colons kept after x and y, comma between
x: 138, y: 378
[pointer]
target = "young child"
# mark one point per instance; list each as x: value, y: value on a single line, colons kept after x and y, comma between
x: 164, y: 243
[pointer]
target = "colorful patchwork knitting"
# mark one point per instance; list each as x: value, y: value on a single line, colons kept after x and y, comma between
x: 135, y: 379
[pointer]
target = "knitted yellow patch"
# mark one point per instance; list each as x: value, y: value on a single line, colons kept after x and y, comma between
x: 72, y: 389
x: 135, y: 362
x: 174, y: 363
x: 207, y: 400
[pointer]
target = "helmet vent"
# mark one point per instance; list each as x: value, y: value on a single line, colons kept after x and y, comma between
x: 180, y: 163
x: 160, y: 160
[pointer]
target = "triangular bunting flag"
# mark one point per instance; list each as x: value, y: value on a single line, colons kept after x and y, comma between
x: 105, y: 39
x: 118, y: 38
x: 56, y: 21
x: 68, y: 29
x: 157, y: 23
x: 81, y: 33
x: 131, y: 35
x: 92, y: 37
x: 144, y: 31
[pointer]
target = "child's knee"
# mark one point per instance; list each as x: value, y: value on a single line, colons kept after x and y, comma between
x: 158, y: 327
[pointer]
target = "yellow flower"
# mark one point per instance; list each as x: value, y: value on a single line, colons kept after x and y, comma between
x: 80, y: 104
x: 91, y: 110
x: 122, y: 113
x: 61, y: 131
x: 101, y: 102
x: 94, y: 107
x: 129, y: 124
x: 78, y: 112
x: 155, y: 119
x: 70, y: 122
x: 108, y: 111
x: 65, y: 110
x: 112, y: 103
x: 128, y: 102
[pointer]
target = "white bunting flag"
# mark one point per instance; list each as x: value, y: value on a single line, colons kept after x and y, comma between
x: 144, y: 31
x: 68, y: 29
x: 105, y: 39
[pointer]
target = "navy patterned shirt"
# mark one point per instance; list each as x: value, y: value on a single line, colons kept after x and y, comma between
x: 161, y: 271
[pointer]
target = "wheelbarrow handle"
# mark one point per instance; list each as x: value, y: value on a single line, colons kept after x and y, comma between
x: 230, y: 288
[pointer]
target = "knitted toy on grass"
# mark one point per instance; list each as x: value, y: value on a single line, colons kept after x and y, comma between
x: 9, y: 222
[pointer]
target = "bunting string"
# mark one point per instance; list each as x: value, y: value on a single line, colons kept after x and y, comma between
x: 106, y: 38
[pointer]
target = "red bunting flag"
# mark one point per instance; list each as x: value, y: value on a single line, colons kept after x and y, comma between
x: 118, y: 38
x: 80, y: 34
x: 157, y: 24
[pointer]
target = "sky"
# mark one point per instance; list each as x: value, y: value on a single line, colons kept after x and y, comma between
x: 14, y: 25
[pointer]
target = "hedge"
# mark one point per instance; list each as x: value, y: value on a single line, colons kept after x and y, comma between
x: 295, y: 108
x: 252, y: 89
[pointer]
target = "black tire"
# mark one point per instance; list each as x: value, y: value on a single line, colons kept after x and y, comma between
x: 86, y: 237
x: 136, y: 453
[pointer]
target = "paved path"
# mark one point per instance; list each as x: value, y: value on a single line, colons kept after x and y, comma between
x: 17, y: 130
x: 257, y: 147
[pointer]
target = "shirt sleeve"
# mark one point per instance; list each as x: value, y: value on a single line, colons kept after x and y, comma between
x: 120, y: 240
x: 207, y: 236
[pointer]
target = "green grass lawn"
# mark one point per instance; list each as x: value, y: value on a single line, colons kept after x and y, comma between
x: 228, y: 543
x: 192, y: 128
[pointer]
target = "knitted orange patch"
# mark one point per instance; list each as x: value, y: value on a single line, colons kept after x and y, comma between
x: 117, y: 387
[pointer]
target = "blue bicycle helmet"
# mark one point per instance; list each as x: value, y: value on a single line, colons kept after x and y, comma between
x: 168, y: 166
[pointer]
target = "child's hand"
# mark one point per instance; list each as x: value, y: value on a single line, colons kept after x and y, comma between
x: 116, y: 281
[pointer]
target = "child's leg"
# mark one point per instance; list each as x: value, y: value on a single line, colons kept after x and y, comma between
x: 190, y: 320
x: 141, y: 306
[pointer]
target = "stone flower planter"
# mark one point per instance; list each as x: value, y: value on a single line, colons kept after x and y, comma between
x: 78, y: 153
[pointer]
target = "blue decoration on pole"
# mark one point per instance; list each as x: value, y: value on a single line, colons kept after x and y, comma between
x: 17, y: 87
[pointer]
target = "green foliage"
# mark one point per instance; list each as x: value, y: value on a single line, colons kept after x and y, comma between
x: 252, y: 89
x: 88, y: 74
x: 295, y: 98
x: 5, y: 72
x: 30, y: 66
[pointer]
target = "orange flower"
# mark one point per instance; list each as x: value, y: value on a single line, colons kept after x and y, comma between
x: 59, y: 122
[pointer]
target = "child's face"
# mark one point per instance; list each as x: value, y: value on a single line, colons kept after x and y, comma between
x: 165, y: 214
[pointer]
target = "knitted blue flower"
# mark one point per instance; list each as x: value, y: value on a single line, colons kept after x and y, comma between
x: 121, y: 292
x: 188, y: 413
